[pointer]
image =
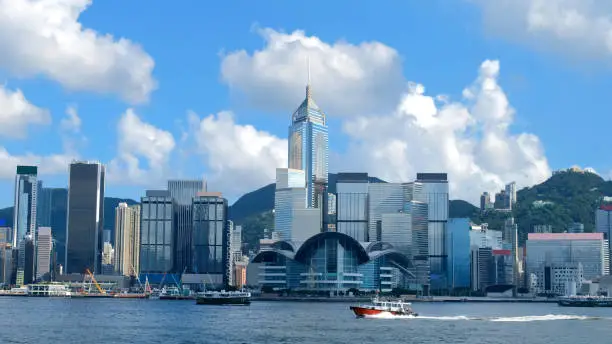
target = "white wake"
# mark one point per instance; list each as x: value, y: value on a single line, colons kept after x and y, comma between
x: 527, y: 318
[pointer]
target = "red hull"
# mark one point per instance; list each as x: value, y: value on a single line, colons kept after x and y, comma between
x: 363, y: 312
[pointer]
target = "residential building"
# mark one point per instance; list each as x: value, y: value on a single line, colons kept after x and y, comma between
x: 603, y: 223
x: 52, y: 211
x: 435, y: 190
x: 156, y: 233
x: 108, y: 259
x: 85, y: 217
x: 458, y: 243
x: 127, y: 239
x: 44, y: 251
x: 502, y: 201
x: 511, y: 192
x: 183, y: 193
x: 352, y: 205
x: 482, y: 236
x: 309, y: 147
x: 211, y: 236
x: 542, y: 229
x: 575, y: 227
x: 589, y: 249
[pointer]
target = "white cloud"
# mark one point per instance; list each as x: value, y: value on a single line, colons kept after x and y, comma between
x: 138, y: 141
x: 47, y: 165
x: 239, y: 158
x: 470, y: 140
x: 17, y: 113
x: 346, y: 79
x: 72, y: 121
x: 44, y: 37
x: 577, y: 27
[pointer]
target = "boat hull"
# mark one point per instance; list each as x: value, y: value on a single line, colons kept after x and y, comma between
x: 363, y: 312
x: 223, y: 301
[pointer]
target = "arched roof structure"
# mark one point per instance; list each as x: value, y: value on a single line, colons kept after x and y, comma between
x: 302, y: 252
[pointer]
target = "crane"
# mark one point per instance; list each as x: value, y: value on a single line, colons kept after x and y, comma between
x: 93, y: 279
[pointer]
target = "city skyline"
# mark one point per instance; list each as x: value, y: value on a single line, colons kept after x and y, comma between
x: 165, y: 110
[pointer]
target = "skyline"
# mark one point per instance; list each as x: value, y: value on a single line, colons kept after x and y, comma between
x: 216, y: 103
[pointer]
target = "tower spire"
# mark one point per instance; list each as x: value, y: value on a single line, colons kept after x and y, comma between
x: 308, y: 94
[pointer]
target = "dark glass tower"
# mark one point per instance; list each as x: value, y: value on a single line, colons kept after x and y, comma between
x: 210, y: 245
x: 52, y: 212
x: 85, y: 217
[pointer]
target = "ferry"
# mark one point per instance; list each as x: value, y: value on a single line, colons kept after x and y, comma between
x: 585, y: 301
x: 380, y: 307
x: 223, y: 298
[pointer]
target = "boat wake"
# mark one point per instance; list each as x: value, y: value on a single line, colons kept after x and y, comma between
x: 528, y: 318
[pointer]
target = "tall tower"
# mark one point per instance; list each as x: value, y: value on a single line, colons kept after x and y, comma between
x: 85, y: 217
x: 24, y: 218
x: 309, y: 147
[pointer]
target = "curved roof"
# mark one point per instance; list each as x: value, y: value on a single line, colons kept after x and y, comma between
x: 285, y: 245
x: 362, y: 254
x: 270, y: 255
x: 394, y: 255
x: 378, y: 246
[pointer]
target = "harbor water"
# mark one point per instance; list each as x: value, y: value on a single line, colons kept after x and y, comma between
x: 59, y: 320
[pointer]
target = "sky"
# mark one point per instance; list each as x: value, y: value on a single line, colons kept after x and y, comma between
x: 488, y: 91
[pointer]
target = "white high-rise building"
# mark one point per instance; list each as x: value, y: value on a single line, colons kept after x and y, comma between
x: 511, y: 192
x: 127, y: 239
x: 44, y: 249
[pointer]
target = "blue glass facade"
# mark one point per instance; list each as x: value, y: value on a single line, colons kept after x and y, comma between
x: 157, y: 233
x: 309, y: 145
x: 458, y: 248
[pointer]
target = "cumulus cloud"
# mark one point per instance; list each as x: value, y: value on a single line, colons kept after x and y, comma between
x: 47, y: 165
x: 70, y: 130
x: 346, y: 78
x: 578, y: 27
x: 44, y: 37
x: 17, y: 113
x: 239, y: 157
x: 72, y: 121
x: 143, y: 152
x: 469, y: 139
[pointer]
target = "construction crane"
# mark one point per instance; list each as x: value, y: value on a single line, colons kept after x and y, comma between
x: 93, y: 279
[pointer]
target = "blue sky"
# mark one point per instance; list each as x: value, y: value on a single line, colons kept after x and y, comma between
x: 556, y: 85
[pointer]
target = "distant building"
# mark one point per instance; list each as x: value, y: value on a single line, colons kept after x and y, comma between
x: 108, y: 261
x: 127, y: 239
x: 542, y: 229
x: 482, y: 236
x: 5, y: 235
x: 603, y: 223
x: 157, y: 232
x: 383, y: 199
x: 576, y: 227
x: 502, y: 200
x: 293, y: 219
x: 511, y: 192
x: 485, y: 201
x: 352, y: 205
x: 6, y: 264
x: 44, y: 250
x: 24, y: 217
x: 85, y: 217
x: 589, y: 249
x: 26, y: 258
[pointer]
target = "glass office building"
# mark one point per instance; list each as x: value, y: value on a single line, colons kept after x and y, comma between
x: 210, y: 245
x: 52, y: 210
x: 384, y: 198
x: 85, y: 217
x: 24, y: 213
x: 309, y: 147
x: 352, y: 205
x: 183, y: 193
x: 458, y: 248
x: 157, y: 232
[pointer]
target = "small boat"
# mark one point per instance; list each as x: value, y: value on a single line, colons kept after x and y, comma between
x: 174, y: 293
x: 380, y: 307
x: 585, y: 301
x: 223, y: 298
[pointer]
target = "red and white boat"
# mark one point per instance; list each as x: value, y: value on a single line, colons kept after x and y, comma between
x: 381, y: 308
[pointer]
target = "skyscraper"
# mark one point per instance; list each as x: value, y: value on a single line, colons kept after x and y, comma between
x: 127, y: 239
x: 85, y: 217
x: 210, y: 245
x: 24, y: 214
x: 183, y: 192
x: 435, y: 191
x: 44, y: 250
x: 157, y: 232
x: 309, y: 147
x: 52, y: 209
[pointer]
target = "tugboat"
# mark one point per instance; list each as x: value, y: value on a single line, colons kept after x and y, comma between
x: 384, y: 307
x: 223, y: 298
